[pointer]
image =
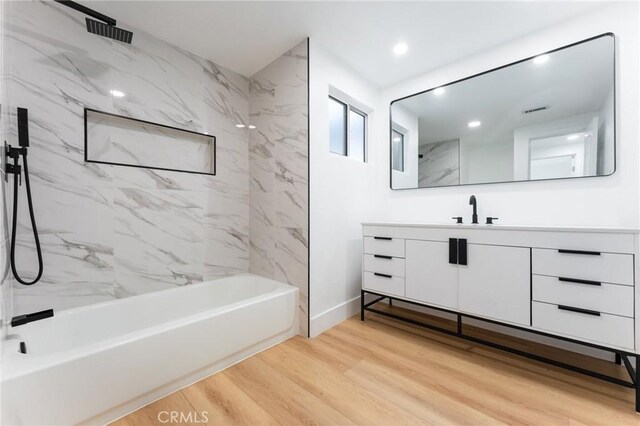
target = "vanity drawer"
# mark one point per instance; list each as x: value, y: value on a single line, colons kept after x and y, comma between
x: 604, y: 267
x: 605, y: 329
x: 384, y: 246
x: 384, y: 284
x: 384, y: 264
x: 607, y: 298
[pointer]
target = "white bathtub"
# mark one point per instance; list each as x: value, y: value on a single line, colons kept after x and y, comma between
x: 97, y: 363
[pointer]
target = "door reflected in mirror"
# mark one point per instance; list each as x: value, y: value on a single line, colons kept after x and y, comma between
x: 547, y: 117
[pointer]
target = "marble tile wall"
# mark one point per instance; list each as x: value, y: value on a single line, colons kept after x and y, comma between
x: 440, y: 164
x: 5, y: 126
x: 109, y: 231
x: 279, y: 179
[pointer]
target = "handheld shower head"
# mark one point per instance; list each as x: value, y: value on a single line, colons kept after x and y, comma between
x: 23, y: 127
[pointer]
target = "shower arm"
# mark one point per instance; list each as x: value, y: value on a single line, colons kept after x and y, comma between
x: 87, y: 11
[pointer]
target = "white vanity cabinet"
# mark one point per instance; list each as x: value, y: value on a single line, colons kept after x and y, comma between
x: 430, y: 277
x: 577, y: 284
x: 496, y: 283
x: 384, y: 265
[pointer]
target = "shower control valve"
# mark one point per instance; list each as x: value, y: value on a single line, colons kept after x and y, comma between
x: 13, y: 152
x: 13, y: 169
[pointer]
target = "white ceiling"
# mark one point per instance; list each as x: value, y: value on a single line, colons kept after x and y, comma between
x: 246, y: 36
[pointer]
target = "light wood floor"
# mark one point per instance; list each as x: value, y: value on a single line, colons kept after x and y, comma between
x: 385, y: 373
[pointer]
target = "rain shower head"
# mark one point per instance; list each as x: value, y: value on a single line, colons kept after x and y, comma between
x: 106, y: 28
x: 110, y: 31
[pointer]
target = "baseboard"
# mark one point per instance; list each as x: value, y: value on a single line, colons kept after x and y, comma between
x: 334, y: 316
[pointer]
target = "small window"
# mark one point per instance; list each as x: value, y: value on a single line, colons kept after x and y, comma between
x: 397, y: 151
x: 357, y: 134
x: 337, y: 126
x: 347, y: 130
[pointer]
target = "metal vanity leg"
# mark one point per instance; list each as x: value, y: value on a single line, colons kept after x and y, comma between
x: 637, y: 383
x: 361, y: 305
x: 618, y: 359
x: 390, y: 302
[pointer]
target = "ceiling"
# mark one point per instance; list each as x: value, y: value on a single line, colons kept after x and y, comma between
x: 245, y: 36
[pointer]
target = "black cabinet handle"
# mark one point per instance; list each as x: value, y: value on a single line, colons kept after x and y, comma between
x: 578, y: 281
x: 462, y: 251
x: 579, y: 310
x: 453, y: 251
x: 380, y: 256
x: 588, y: 253
x: 383, y: 238
x: 382, y: 275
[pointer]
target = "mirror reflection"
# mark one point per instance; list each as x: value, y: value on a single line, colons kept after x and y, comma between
x: 548, y: 117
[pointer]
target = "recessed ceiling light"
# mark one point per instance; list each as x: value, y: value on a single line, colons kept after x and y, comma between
x: 539, y: 60
x: 439, y: 91
x: 240, y: 126
x: 473, y: 124
x: 400, y: 49
x: 572, y: 137
x: 251, y: 126
x: 117, y: 93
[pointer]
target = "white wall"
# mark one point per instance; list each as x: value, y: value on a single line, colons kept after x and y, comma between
x: 342, y: 194
x: 612, y: 200
x: 486, y: 162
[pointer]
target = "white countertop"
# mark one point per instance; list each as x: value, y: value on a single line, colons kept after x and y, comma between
x: 597, y: 229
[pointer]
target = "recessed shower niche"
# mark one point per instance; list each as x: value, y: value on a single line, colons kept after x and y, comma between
x: 125, y: 141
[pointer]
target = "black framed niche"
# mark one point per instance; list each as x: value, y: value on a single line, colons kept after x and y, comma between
x: 125, y: 141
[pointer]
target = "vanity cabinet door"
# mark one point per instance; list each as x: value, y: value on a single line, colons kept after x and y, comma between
x: 496, y: 283
x: 430, y: 278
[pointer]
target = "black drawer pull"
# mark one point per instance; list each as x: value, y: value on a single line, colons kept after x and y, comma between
x: 382, y: 275
x: 579, y: 310
x: 575, y: 280
x: 462, y: 251
x: 588, y: 253
x: 380, y: 256
x: 383, y: 238
x: 453, y: 251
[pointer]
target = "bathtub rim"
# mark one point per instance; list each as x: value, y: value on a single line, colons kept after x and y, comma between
x: 155, y: 293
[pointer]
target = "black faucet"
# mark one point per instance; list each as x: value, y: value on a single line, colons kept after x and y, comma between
x: 474, y: 203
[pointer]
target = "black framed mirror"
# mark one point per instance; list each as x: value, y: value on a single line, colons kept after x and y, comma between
x: 551, y: 116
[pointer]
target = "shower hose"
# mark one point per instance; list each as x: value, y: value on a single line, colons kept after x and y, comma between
x: 23, y: 151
